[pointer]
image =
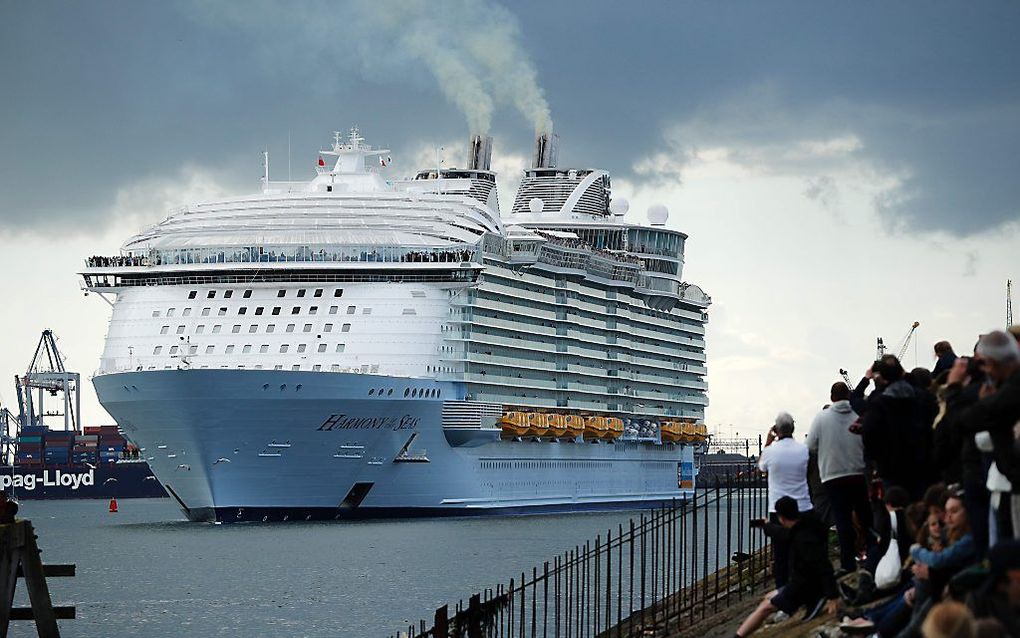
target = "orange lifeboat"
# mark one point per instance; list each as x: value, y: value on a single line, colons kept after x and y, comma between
x: 670, y: 431
x: 595, y: 427
x: 557, y: 424
x: 537, y: 424
x: 700, y: 432
x: 575, y: 425
x: 514, y: 423
x: 689, y: 431
x: 614, y: 427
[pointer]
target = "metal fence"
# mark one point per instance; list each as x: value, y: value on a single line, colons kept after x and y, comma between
x: 667, y: 568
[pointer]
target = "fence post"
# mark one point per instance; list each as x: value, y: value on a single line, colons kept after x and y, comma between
x: 545, y: 599
x: 475, y: 617
x: 440, y: 624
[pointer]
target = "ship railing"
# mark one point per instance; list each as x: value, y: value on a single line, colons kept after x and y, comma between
x: 668, y: 569
x: 289, y: 254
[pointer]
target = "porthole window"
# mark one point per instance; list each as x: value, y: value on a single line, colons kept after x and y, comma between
x: 210, y: 349
x: 371, y: 391
x: 301, y: 292
x: 247, y: 294
x: 174, y: 349
x: 333, y: 309
x: 164, y: 330
x: 242, y: 310
x: 186, y: 313
x: 308, y: 327
x: 211, y: 294
x: 180, y: 330
x: 246, y: 349
x: 302, y: 347
x: 235, y: 329
x: 295, y: 367
x: 351, y: 310
x: 284, y: 348
x: 192, y: 294
x: 340, y: 347
x: 290, y: 327
x: 407, y: 391
x: 157, y: 350
x: 313, y: 310
x: 414, y: 393
x: 155, y: 313
x: 316, y: 368
x: 295, y: 310
x: 327, y: 328
x: 281, y: 293
x: 318, y: 292
x: 171, y: 311
x: 270, y: 328
x: 205, y: 312
x: 252, y: 329
x: 322, y: 347
x: 216, y: 329
x: 263, y: 349
x: 228, y: 294
x: 389, y: 392
x: 276, y: 310
x: 221, y: 312
x: 258, y: 311
x: 199, y: 330
x: 339, y: 292
x: 345, y: 328
x: 229, y: 350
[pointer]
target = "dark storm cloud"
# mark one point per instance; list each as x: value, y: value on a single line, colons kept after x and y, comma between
x: 931, y: 91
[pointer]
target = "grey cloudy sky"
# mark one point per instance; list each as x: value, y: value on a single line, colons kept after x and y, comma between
x: 123, y: 90
x: 895, y: 126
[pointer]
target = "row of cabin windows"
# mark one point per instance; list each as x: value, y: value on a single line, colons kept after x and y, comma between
x: 315, y: 368
x: 248, y: 349
x: 413, y: 393
x: 227, y: 294
x: 260, y: 310
x: 253, y: 328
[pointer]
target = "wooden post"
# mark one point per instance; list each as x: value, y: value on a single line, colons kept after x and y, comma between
x: 19, y: 556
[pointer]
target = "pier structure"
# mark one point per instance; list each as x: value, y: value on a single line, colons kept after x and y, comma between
x: 20, y: 558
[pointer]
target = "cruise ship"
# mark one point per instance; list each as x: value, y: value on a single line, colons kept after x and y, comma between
x: 353, y: 346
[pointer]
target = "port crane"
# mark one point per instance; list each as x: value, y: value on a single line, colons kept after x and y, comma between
x: 880, y: 351
x: 46, y: 375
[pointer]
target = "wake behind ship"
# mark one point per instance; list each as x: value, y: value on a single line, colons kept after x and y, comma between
x: 353, y: 347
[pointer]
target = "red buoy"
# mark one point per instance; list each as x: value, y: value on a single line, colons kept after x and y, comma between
x: 113, y: 505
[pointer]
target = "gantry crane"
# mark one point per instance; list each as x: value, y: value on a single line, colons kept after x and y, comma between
x: 46, y: 375
x: 880, y: 351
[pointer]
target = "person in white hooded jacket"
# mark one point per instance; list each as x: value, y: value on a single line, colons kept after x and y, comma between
x: 840, y: 452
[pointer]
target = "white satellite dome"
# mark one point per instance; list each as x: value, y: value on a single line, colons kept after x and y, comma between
x: 619, y: 206
x: 657, y: 215
x: 536, y: 205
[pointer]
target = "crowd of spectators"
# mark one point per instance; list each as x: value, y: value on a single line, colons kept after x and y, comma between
x: 920, y: 476
x: 99, y: 261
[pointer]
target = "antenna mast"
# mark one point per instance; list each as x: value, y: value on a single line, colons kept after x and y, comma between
x: 1009, y: 304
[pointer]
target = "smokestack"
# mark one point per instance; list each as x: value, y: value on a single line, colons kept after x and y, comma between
x: 546, y: 150
x: 479, y: 153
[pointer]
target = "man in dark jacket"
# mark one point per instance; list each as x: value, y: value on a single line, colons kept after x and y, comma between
x: 998, y: 411
x: 812, y: 583
x: 896, y: 439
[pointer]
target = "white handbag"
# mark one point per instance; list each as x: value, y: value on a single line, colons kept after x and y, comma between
x: 887, y: 574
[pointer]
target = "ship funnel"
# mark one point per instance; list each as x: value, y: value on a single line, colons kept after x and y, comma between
x: 546, y: 150
x: 479, y: 153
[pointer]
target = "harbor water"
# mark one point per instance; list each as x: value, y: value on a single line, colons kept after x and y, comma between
x: 145, y: 571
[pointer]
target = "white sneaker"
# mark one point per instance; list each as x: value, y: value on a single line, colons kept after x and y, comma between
x: 777, y: 617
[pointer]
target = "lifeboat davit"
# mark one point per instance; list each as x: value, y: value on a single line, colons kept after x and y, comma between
x: 595, y: 427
